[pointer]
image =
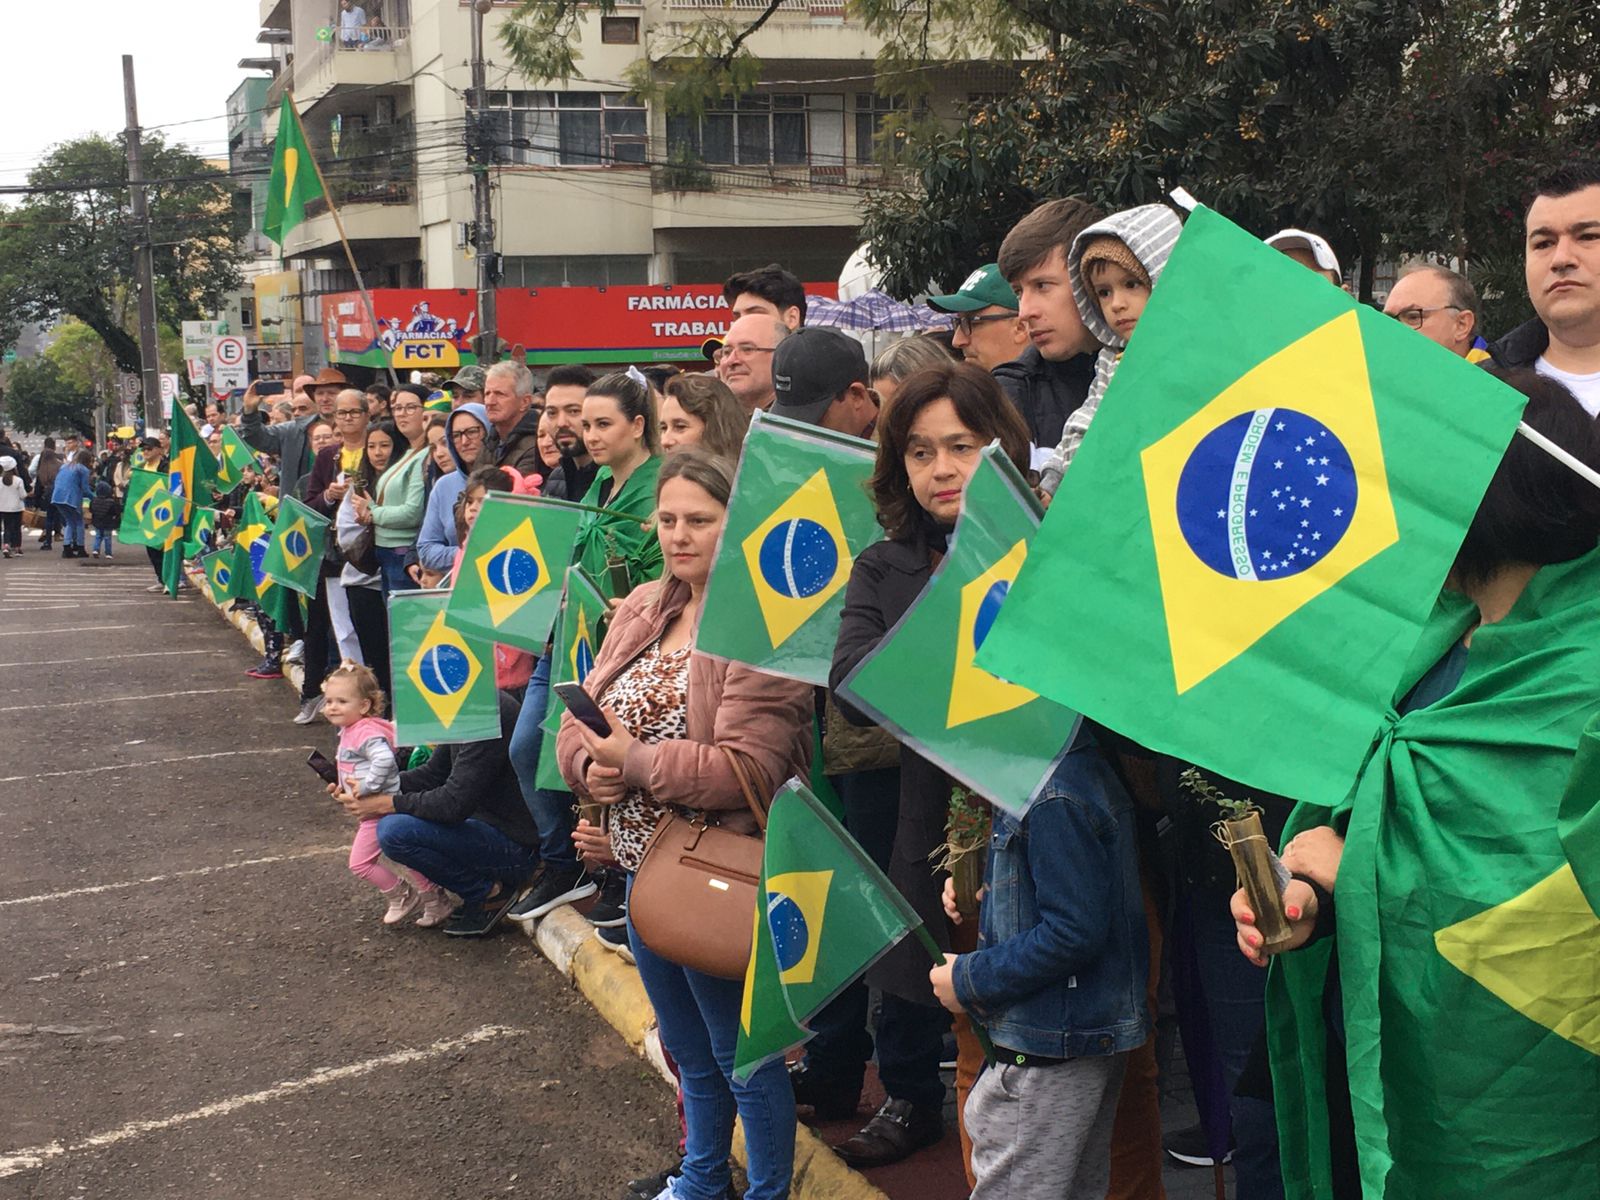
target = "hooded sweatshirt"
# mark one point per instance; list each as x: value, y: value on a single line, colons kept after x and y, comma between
x: 1150, y: 231
x: 436, y: 543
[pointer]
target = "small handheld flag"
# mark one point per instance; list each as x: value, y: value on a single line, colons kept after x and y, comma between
x: 798, y: 516
x: 191, y: 469
x: 443, y: 680
x: 576, y: 642
x: 294, y: 555
x: 198, y: 537
x: 509, y: 585
x: 219, y: 575
x: 144, y: 489
x: 235, y: 458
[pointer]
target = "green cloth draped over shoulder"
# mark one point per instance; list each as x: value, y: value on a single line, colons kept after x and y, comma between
x: 627, y: 510
x: 1468, y: 952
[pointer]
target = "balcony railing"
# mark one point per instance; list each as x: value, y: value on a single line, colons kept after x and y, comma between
x: 364, y: 191
x: 368, y: 39
x: 718, y: 177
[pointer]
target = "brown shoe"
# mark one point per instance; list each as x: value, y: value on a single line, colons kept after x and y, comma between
x: 897, y: 1131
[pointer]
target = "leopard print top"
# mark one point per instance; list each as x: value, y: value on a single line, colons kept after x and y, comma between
x: 651, y: 697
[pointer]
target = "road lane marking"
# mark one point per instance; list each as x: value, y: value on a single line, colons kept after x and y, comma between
x: 153, y: 762
x: 124, y: 699
x: 101, y: 658
x: 85, y: 972
x: 34, y: 1157
x: 198, y: 871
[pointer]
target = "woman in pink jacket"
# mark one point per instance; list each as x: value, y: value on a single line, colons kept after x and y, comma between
x: 673, y: 713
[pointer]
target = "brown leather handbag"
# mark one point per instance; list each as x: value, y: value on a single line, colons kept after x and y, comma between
x: 694, y: 895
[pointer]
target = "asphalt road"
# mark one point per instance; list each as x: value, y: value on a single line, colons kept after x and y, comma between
x: 197, y: 999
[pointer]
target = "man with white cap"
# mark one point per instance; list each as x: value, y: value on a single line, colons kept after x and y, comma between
x: 1309, y: 250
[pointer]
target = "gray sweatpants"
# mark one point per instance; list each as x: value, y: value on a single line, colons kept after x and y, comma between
x: 1044, y: 1133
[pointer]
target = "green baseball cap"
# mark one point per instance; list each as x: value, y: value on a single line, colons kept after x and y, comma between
x: 984, y: 287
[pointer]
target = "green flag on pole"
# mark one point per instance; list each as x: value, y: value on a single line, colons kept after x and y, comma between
x: 161, y: 520
x: 573, y: 650
x: 236, y: 457
x: 294, y: 554
x: 144, y: 489
x: 251, y: 540
x: 999, y: 739
x: 201, y: 532
x: 294, y: 182
x: 509, y: 584
x: 824, y: 914
x: 798, y: 516
x: 172, y: 568
x: 443, y: 679
x: 191, y: 468
x: 220, y: 575
x: 1258, y: 522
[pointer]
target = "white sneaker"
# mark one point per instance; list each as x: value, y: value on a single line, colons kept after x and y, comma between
x: 437, y: 907
x: 295, y: 653
x: 403, y: 901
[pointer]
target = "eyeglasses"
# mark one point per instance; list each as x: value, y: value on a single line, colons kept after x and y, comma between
x: 400, y: 410
x: 470, y: 432
x: 746, y: 350
x: 1416, y: 315
x: 349, y: 412
x: 966, y: 322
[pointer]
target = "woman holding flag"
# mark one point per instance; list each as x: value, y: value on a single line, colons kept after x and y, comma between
x: 678, y: 719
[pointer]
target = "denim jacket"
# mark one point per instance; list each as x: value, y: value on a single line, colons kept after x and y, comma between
x: 1063, y: 960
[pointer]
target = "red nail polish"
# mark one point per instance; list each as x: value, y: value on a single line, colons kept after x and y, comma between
x: 1293, y: 912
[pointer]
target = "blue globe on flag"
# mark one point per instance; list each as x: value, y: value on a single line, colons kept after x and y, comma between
x: 1266, y: 495
x: 790, y: 934
x: 295, y: 543
x: 444, y: 670
x: 989, y: 610
x: 513, y: 571
x: 583, y: 659
x: 798, y: 558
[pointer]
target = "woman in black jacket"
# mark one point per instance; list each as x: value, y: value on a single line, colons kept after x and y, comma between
x: 928, y: 445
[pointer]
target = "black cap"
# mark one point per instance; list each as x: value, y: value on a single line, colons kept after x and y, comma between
x: 812, y: 368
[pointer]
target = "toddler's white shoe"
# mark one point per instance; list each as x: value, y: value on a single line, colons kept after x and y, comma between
x: 403, y: 901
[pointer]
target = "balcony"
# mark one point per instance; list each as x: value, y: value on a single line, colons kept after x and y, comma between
x: 681, y: 177
x: 365, y: 58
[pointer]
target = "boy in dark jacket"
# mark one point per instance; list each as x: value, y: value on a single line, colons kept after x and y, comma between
x: 104, y: 514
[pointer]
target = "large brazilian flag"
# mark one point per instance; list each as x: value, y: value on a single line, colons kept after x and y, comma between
x: 512, y: 568
x: 443, y: 681
x: 1259, y: 521
x: 922, y: 682
x: 191, y: 467
x: 798, y: 516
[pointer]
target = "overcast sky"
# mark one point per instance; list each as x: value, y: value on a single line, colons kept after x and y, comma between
x: 61, y: 77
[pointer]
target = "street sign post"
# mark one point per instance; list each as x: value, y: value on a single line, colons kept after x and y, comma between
x: 230, y: 367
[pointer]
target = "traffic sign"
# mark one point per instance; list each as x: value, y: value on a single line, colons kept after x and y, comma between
x: 229, y: 368
x: 425, y: 352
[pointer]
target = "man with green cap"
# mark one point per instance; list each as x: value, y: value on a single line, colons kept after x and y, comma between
x: 466, y: 387
x: 987, y: 332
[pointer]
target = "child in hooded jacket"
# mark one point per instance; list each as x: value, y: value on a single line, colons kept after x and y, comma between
x: 367, y: 766
x: 104, y: 514
x: 1113, y: 265
x: 13, y: 494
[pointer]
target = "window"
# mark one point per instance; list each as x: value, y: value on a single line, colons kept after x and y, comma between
x: 752, y: 131
x: 549, y: 129
x: 574, y: 270
x: 619, y: 31
x: 871, y: 109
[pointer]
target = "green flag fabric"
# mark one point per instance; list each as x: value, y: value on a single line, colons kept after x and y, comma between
x: 200, y: 533
x: 146, y: 488
x: 999, y: 739
x: 294, y: 182
x: 294, y: 554
x: 509, y: 584
x: 161, y: 520
x: 220, y: 575
x: 251, y: 539
x: 1468, y: 950
x: 443, y: 680
x: 191, y: 468
x: 573, y: 650
x: 1257, y: 523
x: 798, y: 516
x: 236, y: 457
x: 172, y: 568
x: 824, y: 914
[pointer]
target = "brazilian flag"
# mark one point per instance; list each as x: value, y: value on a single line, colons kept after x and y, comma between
x: 798, y: 516
x: 161, y: 520
x: 220, y: 576
x: 201, y: 532
x: 824, y: 914
x: 250, y: 542
x: 443, y: 680
x: 294, y: 181
x: 191, y: 469
x: 235, y: 459
x: 509, y: 584
x: 573, y: 650
x: 921, y: 682
x: 294, y: 554
x: 140, y: 526
x: 1258, y: 523
x: 172, y: 568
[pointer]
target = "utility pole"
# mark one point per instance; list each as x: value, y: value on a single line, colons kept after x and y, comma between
x: 144, y: 267
x: 480, y: 154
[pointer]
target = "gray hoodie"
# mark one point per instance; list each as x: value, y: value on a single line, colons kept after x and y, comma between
x: 1150, y: 231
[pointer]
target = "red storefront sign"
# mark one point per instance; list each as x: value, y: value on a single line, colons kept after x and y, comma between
x: 404, y: 315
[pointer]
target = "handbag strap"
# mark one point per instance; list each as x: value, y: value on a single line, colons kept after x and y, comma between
x: 743, y: 771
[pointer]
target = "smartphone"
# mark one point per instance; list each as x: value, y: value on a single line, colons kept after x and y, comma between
x: 318, y: 762
x: 269, y: 387
x: 582, y: 706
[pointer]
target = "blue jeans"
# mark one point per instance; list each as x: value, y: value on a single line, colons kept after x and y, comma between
x: 102, y: 542
x: 469, y: 858
x: 551, y: 810
x: 71, y: 523
x: 698, y: 1016
x: 392, y: 566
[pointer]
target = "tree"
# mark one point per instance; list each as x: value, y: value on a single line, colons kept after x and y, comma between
x: 39, y: 399
x: 68, y: 248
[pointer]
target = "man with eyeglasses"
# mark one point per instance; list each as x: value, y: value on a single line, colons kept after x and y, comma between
x: 746, y: 362
x: 1441, y: 305
x: 988, y: 331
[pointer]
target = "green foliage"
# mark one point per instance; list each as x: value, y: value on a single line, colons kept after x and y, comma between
x: 40, y: 399
x: 71, y: 251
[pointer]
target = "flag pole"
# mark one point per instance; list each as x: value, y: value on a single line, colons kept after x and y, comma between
x: 1556, y: 452
x: 349, y: 254
x: 932, y: 947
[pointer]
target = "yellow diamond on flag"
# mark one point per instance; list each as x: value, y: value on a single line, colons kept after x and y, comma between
x: 1267, y: 497
x: 796, y: 904
x: 582, y: 660
x: 444, y: 669
x: 974, y: 693
x: 296, y: 544
x: 798, y: 558
x: 513, y: 571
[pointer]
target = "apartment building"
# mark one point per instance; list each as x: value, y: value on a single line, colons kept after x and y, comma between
x: 592, y: 187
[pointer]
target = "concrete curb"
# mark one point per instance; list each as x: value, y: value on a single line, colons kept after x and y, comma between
x: 615, y: 990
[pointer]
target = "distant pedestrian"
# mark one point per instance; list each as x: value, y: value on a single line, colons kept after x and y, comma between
x: 72, y: 488
x: 13, y: 492
x: 104, y: 514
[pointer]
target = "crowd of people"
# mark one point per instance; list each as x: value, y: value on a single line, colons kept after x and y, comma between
x: 1064, y: 968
